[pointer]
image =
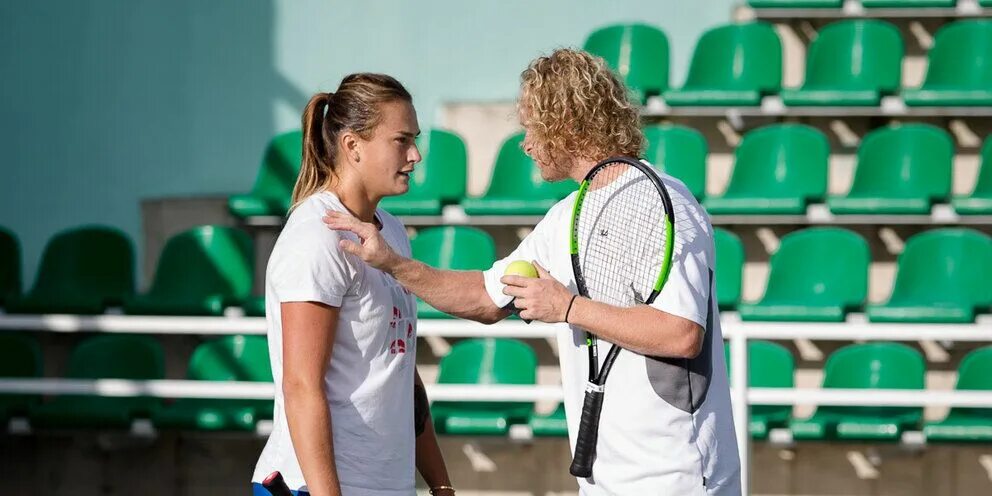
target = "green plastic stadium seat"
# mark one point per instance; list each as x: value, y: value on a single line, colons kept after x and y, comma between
x: 20, y: 357
x: 10, y: 267
x: 733, y: 65
x: 550, y: 425
x: 516, y: 187
x: 438, y: 180
x: 942, y: 276
x: 980, y: 200
x: 960, y: 67
x: 484, y: 361
x: 967, y: 424
x: 254, y: 306
x: 825, y: 291
x: 730, y: 266
x: 230, y: 358
x: 769, y: 365
x: 778, y: 169
x: 866, y: 366
x: 852, y: 63
x: 451, y: 248
x: 985, y: 3
x: 902, y: 169
x: 681, y: 152
x: 200, y: 272
x: 637, y: 52
x: 135, y: 357
x: 796, y: 4
x: 907, y: 4
x: 82, y: 271
x: 273, y: 190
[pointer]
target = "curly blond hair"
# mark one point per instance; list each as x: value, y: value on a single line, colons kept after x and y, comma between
x: 575, y: 106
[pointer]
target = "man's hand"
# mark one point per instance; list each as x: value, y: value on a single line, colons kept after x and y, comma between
x: 374, y: 250
x: 543, y: 298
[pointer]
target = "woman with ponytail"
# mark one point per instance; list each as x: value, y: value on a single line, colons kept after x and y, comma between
x: 342, y: 335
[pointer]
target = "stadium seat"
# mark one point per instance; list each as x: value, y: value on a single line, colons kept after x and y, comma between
x: 681, y: 152
x: 20, y: 357
x: 82, y: 271
x: 942, y: 276
x: 733, y: 65
x: 964, y: 424
x: 135, y: 357
x: 960, y: 67
x: 273, y: 188
x: 10, y: 267
x: 852, y: 63
x: 550, y: 425
x: 729, y: 268
x: 200, y: 272
x: 796, y: 4
x: 825, y: 291
x: 769, y: 365
x: 254, y: 306
x: 484, y: 362
x: 778, y: 169
x: 229, y: 358
x: 985, y: 3
x: 451, y: 248
x: 516, y: 187
x: 439, y: 179
x: 866, y: 366
x: 902, y: 169
x: 637, y: 52
x: 907, y: 4
x: 980, y: 200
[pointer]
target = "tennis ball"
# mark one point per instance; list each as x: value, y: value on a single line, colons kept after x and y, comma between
x: 520, y: 268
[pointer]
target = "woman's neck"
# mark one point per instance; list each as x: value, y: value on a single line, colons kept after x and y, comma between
x: 353, y: 196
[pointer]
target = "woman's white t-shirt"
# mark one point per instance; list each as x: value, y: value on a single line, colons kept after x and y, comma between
x: 369, y: 380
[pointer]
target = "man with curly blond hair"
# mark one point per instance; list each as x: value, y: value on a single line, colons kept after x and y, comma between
x: 666, y: 424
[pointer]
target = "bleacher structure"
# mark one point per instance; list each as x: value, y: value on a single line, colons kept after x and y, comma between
x: 900, y: 254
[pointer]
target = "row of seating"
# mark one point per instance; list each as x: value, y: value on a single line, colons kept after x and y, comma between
x: 138, y: 357
x: 850, y: 63
x: 778, y: 169
x: 871, y: 4
x: 940, y: 276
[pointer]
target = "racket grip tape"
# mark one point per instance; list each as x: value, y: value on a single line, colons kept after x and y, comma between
x: 585, y: 442
x: 276, y: 485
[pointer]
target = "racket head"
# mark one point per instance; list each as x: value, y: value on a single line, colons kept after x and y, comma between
x: 622, y: 233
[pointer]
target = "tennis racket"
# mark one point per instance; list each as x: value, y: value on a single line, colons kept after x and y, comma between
x: 621, y: 244
x: 276, y: 485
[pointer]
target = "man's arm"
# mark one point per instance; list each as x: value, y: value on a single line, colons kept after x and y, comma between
x: 459, y: 293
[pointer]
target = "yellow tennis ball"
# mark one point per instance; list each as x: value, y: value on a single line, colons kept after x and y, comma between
x: 520, y: 268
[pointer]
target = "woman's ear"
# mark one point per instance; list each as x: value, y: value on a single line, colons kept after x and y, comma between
x: 351, y: 146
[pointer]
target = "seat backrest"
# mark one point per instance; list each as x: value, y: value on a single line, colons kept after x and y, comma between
x: 280, y: 167
x: 117, y: 356
x: 87, y: 261
x: 729, y: 267
x: 903, y: 161
x: 454, y: 248
x: 975, y: 374
x: 945, y: 265
x: 681, y: 152
x: 875, y: 366
x: 840, y: 275
x: 444, y: 166
x: 637, y: 52
x: 489, y: 361
x: 781, y: 160
x: 515, y: 175
x: 205, y: 261
x: 770, y: 365
x: 10, y: 266
x: 863, y: 54
x: 961, y: 56
x: 20, y: 355
x: 231, y: 358
x: 737, y: 57
x: 983, y: 186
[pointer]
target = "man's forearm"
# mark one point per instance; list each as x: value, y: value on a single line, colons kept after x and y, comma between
x: 461, y: 293
x: 641, y: 329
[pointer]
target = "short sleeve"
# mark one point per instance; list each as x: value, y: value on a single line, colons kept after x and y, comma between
x: 687, y: 291
x: 534, y: 248
x: 308, y: 265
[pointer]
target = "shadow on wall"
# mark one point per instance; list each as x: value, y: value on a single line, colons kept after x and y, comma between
x: 107, y: 103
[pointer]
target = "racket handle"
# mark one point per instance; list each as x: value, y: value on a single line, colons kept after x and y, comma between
x: 585, y: 442
x: 515, y: 311
x: 276, y: 485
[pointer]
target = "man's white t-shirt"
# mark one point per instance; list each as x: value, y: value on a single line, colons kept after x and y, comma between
x: 666, y: 425
x: 369, y: 380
